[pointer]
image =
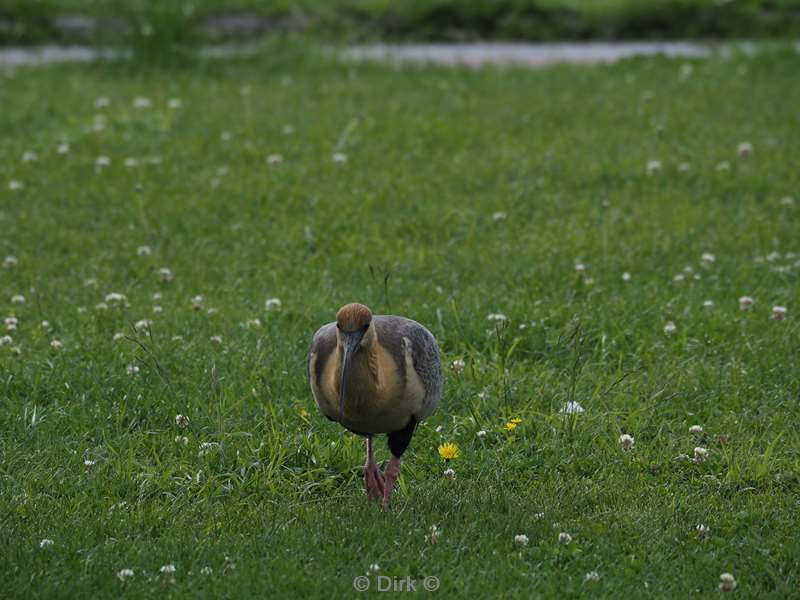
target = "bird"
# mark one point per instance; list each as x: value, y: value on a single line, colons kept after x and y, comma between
x: 374, y: 375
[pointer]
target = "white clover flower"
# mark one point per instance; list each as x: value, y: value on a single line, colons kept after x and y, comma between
x: 15, y: 185
x: 433, y: 538
x: 696, y: 430
x: 101, y: 102
x: 30, y: 156
x: 182, y: 421
x: 212, y: 311
x: 497, y: 318
x: 773, y: 256
x: 253, y: 323
x: 197, y: 303
x: 10, y: 262
x: 481, y: 433
x: 182, y: 439
x: 124, y: 574
x: 142, y: 326
x: 56, y: 345
x: 787, y: 202
x: 727, y: 582
x: 708, y: 303
x: 11, y: 323
x: 702, y: 531
x: 6, y: 340
x: 141, y: 102
x: 272, y: 304
x: 46, y: 543
x: 131, y: 163
x: 707, y: 260
x: 745, y: 302
x: 723, y: 167
x: 571, y: 408
x: 88, y: 465
x: 779, y: 313
x: 18, y: 299
x: 458, y: 365
x: 679, y: 277
x: 580, y: 269
x: 521, y: 539
x: 700, y: 455
x: 156, y: 296
x: 626, y: 441
x: 165, y: 275
x: 339, y: 158
x: 653, y: 167
x: 132, y: 370
x: 626, y: 276
x: 670, y: 328
x: 744, y: 150
x: 592, y: 576
x: 63, y: 148
x: 374, y: 567
x: 118, y: 336
x: 216, y: 339
x: 206, y: 448
x: 564, y: 538
x: 102, y: 162
x: 499, y: 216
x: 158, y: 309
x: 174, y: 104
x: 206, y: 571
x: 449, y: 473
x: 90, y: 283
x: 168, y: 571
x: 274, y: 160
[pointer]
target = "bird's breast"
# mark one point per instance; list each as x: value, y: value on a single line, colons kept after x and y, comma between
x: 378, y: 398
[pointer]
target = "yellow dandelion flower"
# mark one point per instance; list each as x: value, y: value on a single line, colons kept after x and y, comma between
x: 515, y: 421
x: 510, y: 426
x: 449, y: 451
x: 303, y: 413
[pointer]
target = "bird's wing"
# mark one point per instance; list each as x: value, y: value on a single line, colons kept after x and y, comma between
x: 392, y: 332
x: 323, y: 345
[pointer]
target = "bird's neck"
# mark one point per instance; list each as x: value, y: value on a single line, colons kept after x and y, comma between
x: 364, y: 378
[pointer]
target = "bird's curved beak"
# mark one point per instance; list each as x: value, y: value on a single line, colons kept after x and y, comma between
x: 351, y: 342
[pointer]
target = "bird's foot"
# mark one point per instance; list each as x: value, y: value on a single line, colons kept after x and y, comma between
x: 373, y: 482
x: 390, y: 474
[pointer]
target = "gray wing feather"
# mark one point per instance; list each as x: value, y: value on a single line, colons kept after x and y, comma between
x: 424, y: 353
x: 323, y: 344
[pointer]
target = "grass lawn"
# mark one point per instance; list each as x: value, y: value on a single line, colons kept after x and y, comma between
x: 464, y: 193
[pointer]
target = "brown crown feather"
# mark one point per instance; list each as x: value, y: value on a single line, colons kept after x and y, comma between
x: 352, y: 317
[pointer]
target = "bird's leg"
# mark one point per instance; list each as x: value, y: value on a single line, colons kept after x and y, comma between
x: 391, y: 472
x: 373, y: 478
x: 398, y: 442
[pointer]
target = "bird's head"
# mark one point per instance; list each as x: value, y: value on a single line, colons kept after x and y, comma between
x: 353, y: 317
x: 352, y: 323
